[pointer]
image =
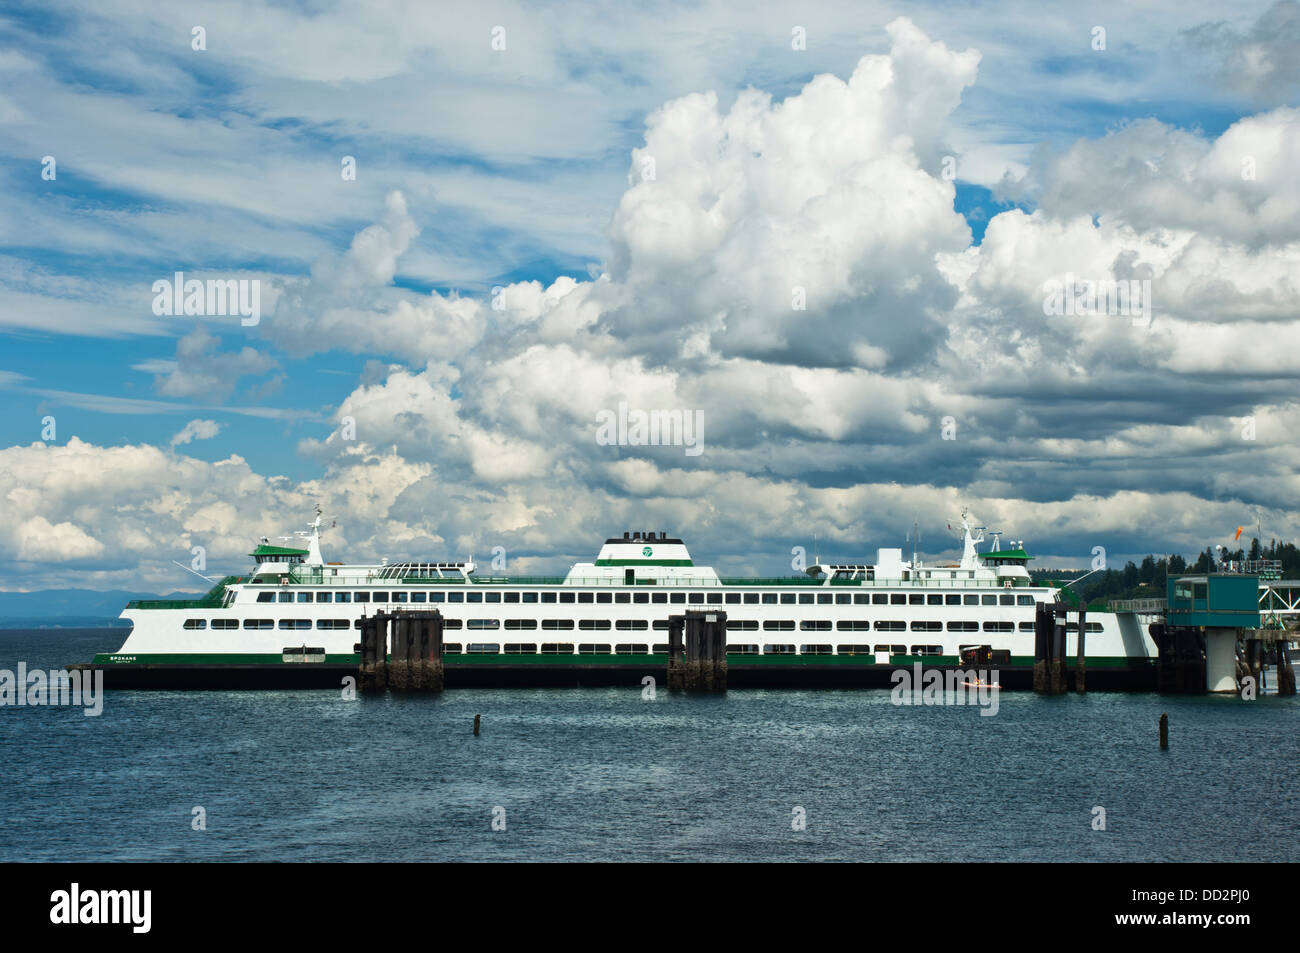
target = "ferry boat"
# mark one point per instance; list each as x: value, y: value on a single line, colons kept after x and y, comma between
x: 296, y: 610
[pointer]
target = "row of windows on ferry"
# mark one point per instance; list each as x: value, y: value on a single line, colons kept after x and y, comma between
x: 641, y: 625
x: 639, y: 598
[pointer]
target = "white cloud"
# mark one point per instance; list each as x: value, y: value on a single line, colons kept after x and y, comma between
x: 196, y: 430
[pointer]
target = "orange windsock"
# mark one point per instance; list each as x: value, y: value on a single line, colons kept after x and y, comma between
x: 1238, y: 536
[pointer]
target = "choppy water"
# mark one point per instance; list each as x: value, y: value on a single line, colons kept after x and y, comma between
x: 600, y: 774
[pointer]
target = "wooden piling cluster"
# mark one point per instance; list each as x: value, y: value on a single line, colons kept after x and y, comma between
x: 414, y: 662
x: 1051, y: 670
x: 697, y: 652
x: 1253, y: 654
x: 1180, y: 661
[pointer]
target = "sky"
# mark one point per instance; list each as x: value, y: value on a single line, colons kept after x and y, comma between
x: 839, y: 235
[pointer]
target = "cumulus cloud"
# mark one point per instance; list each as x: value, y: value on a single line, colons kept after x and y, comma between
x: 795, y: 271
x: 196, y: 430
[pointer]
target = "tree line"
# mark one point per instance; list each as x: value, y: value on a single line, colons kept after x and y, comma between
x: 1147, y: 579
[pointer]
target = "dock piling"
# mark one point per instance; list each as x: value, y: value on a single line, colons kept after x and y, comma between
x: 697, y: 651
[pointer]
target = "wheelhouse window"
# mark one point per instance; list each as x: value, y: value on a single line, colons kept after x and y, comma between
x: 196, y: 623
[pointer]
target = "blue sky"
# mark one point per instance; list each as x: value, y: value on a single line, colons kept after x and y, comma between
x: 515, y: 168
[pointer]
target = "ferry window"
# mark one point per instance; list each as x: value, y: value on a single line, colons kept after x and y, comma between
x: 790, y: 598
x: 751, y: 598
x: 854, y: 625
x: 927, y: 649
x: 999, y: 627
x: 879, y: 599
x: 897, y: 599
x: 360, y: 597
x: 266, y: 597
x: 295, y: 623
x: 225, y: 623
x: 530, y: 597
x: 491, y: 597
x: 658, y: 597
x: 521, y: 648
x: 966, y: 626
x: 927, y: 626
x: 342, y: 597
x: 660, y: 625
x: 521, y: 623
x: 1007, y: 600
x: 952, y: 600
x: 742, y: 649
x: 916, y: 599
x: 332, y: 624
x: 548, y: 597
x: 589, y: 648
x: 259, y: 624
x: 593, y: 625
x: 626, y: 648
x: 891, y: 626
x: 324, y: 597
x: 469, y: 597
x: 632, y: 625
x: 419, y: 597
x: 285, y: 597
x: 859, y: 649
x: 566, y: 596
x: 1024, y: 600
x: 970, y: 600
x: 483, y: 648
x: 557, y: 648
x: 622, y: 597
x: 305, y: 597
x: 805, y: 598
x: 738, y: 625
x: 715, y: 597
x: 733, y: 598
x: 356, y: 624
x: 604, y: 597
x: 844, y: 599
x: 815, y: 625
x: 677, y: 597
x: 450, y: 648
x: 382, y: 596
x: 455, y: 597
x: 818, y: 650
x: 769, y: 598
x: 778, y: 650
x: 483, y: 623
x: 934, y: 599
x: 824, y: 598
x: 437, y: 596
x: 1026, y: 627
x: 196, y: 623
x: 557, y: 624
x: 778, y: 625
x: 660, y: 648
x: 989, y: 600
x: 512, y: 597
x: 586, y: 597
x: 401, y: 597
x: 1090, y: 627
x: 861, y: 599
x: 452, y: 623
x: 695, y: 597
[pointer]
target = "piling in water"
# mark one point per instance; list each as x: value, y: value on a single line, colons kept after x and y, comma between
x: 697, y: 652
x: 476, y: 719
x: 1164, y: 732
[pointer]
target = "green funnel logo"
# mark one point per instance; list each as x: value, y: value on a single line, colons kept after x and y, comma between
x: 646, y: 551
